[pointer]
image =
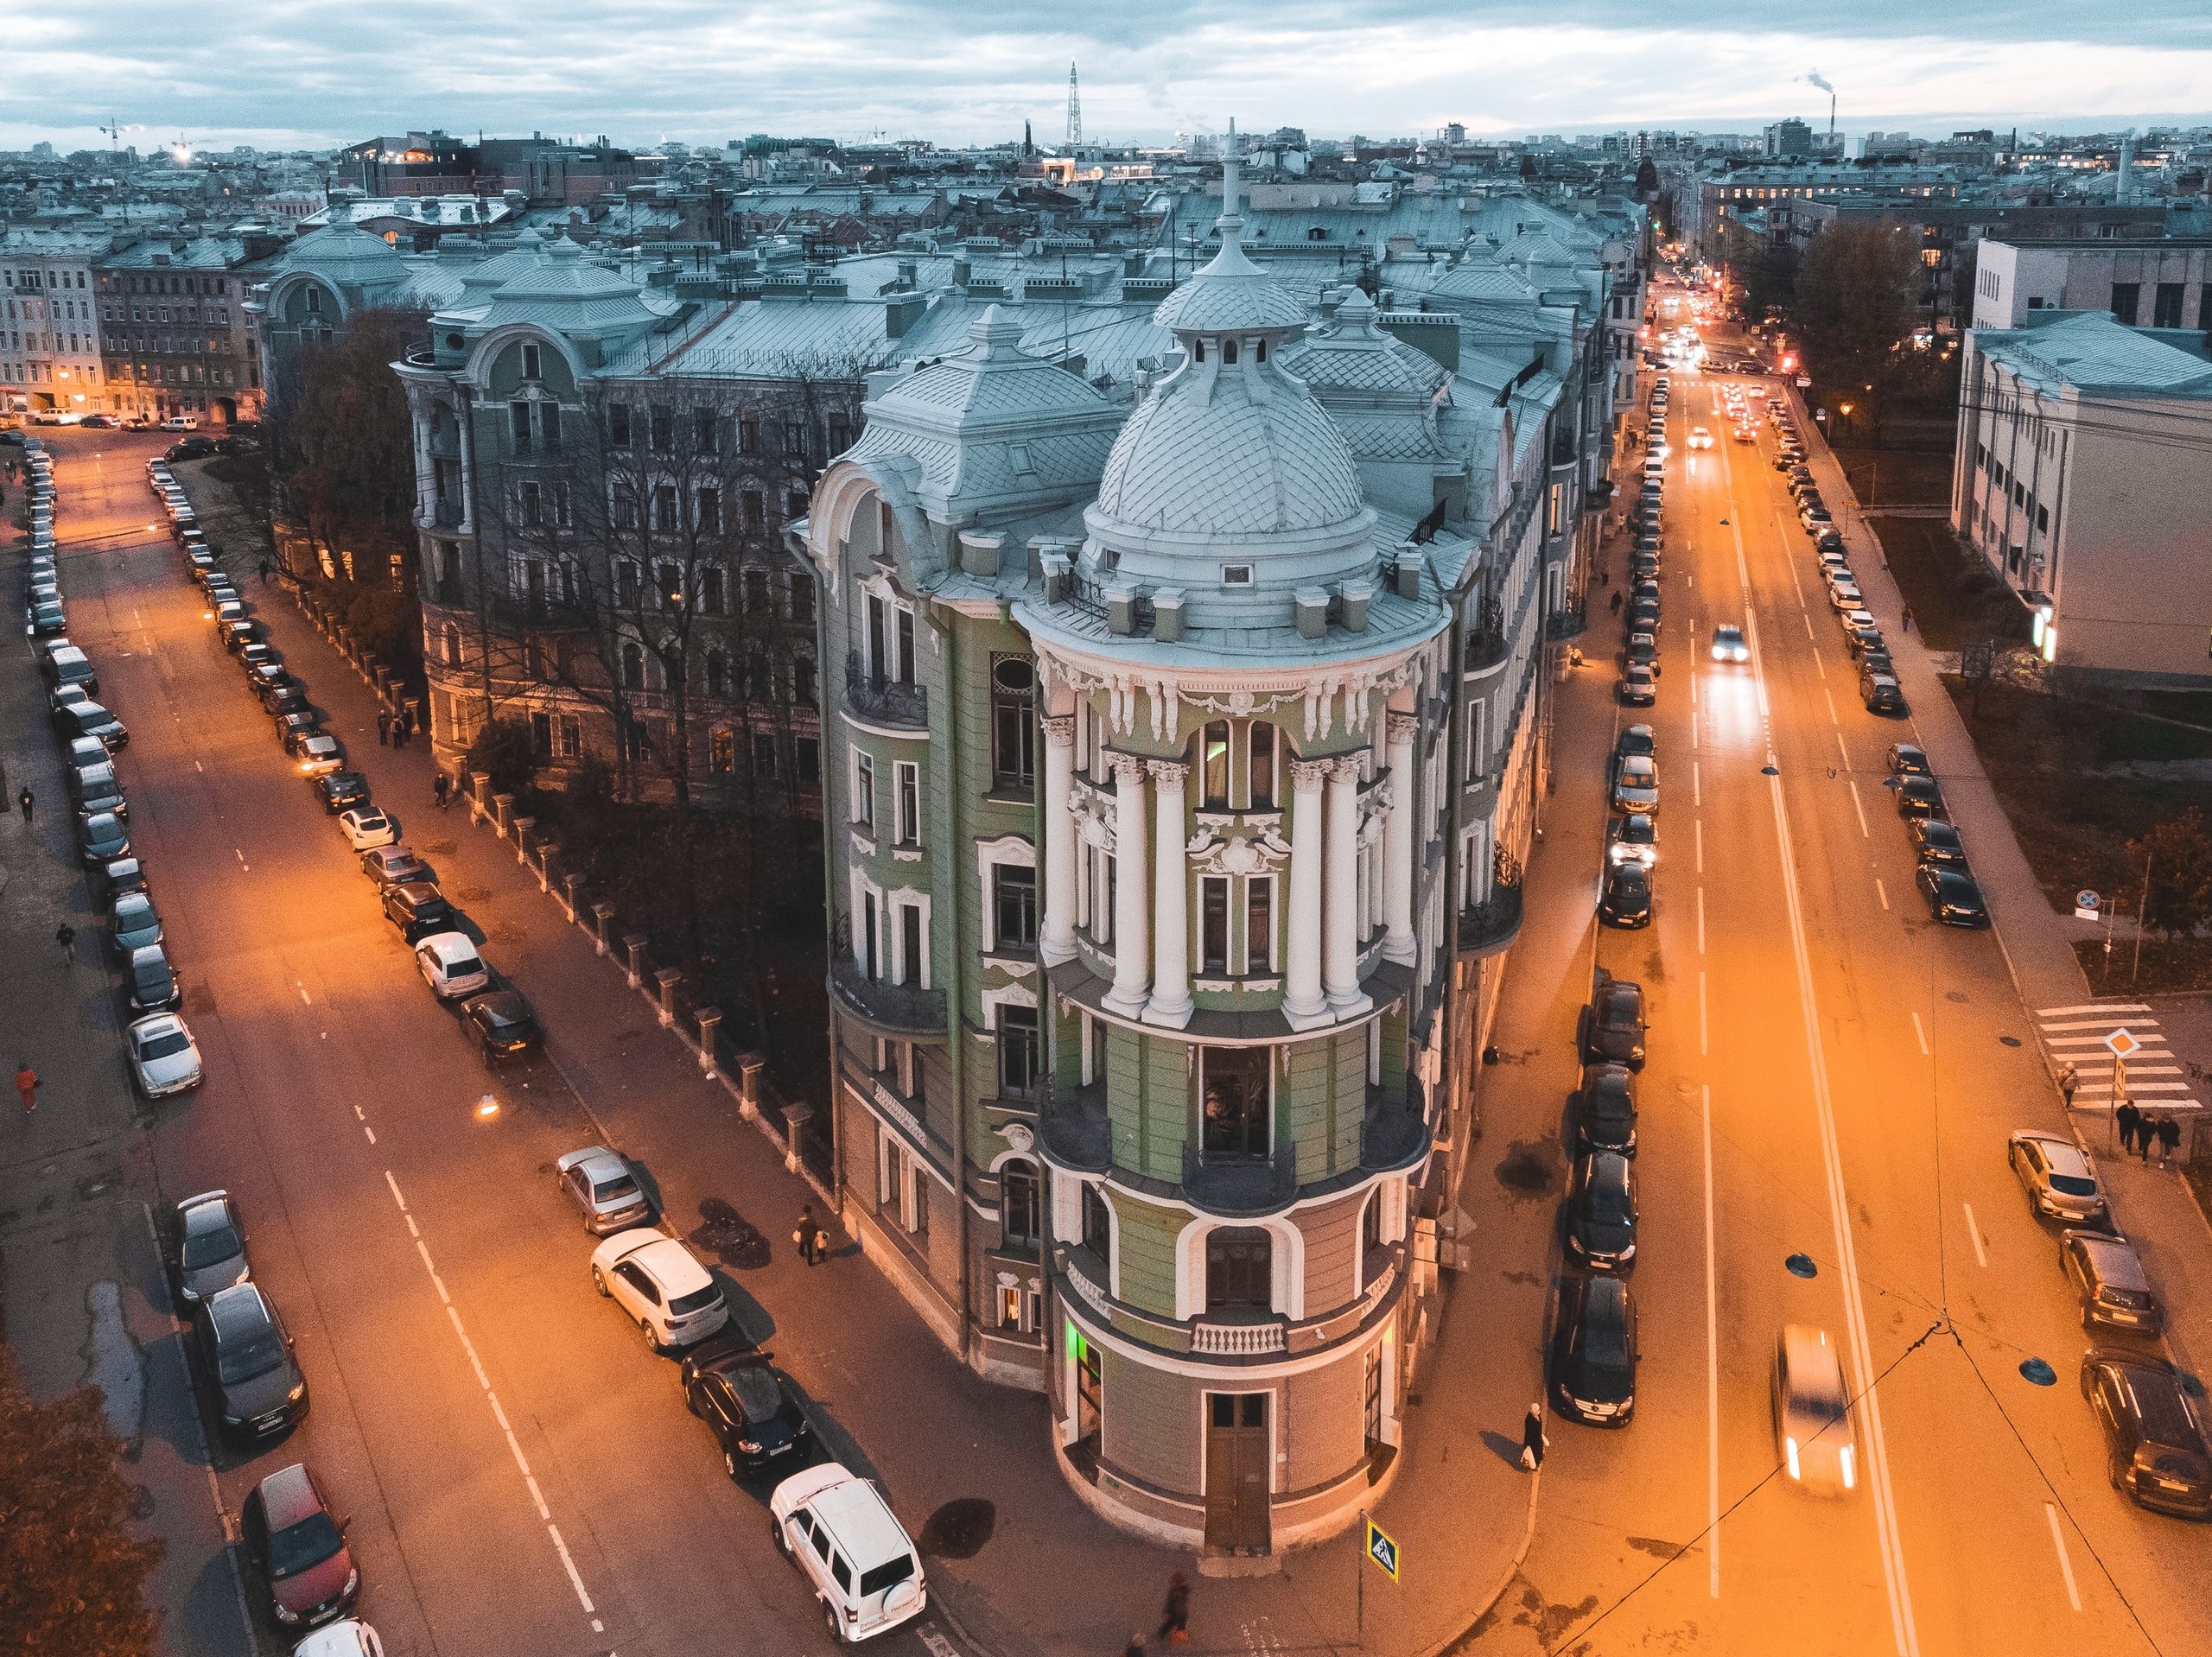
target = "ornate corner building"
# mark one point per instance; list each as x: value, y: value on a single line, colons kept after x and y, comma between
x: 1178, y: 762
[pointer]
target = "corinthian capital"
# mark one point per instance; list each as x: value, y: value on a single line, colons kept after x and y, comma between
x: 1404, y: 727
x: 1170, y: 773
x: 1310, y: 773
x: 1059, y: 730
x: 1129, y: 771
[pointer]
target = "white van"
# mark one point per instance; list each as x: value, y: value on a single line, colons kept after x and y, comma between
x: 1812, y: 1412
x: 838, y: 1529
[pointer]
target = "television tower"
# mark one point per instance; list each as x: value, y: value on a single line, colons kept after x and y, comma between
x: 1075, y: 111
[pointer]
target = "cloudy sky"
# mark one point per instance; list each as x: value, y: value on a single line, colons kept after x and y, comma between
x: 284, y: 72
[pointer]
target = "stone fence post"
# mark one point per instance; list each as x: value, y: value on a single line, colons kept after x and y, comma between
x: 522, y: 828
x: 668, y: 980
x: 480, y: 795
x: 635, y: 944
x: 604, y: 914
x: 571, y: 885
x: 710, y: 1019
x: 749, y: 1066
x: 796, y: 1117
x: 503, y: 813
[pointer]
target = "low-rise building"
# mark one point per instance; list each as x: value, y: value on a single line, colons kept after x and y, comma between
x: 2081, y: 478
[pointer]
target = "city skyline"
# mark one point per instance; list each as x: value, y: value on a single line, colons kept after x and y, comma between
x: 293, y: 77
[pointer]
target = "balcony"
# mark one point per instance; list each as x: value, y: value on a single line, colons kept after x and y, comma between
x: 1076, y: 1132
x: 884, y: 701
x: 1490, y: 926
x: 446, y: 514
x: 1233, y: 1187
x: 895, y: 1009
x: 1392, y: 1138
x: 1215, y: 1340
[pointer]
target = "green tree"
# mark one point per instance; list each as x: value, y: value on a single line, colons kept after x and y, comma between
x: 72, y: 1575
x: 1858, y: 299
x: 502, y: 751
x: 2177, y: 854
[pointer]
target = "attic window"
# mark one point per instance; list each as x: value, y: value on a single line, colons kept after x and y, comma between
x: 1228, y: 351
x: 531, y: 365
x: 1263, y: 350
x: 1019, y: 454
x: 1197, y: 350
x: 1236, y: 575
x: 453, y: 342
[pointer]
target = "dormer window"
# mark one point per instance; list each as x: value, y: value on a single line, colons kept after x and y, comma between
x: 1197, y: 350
x: 1263, y: 350
x: 1228, y: 351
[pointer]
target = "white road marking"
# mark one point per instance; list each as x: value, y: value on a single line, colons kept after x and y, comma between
x: 1701, y: 920
x: 1697, y: 790
x: 1919, y: 1034
x: 1883, y: 892
x: 1860, y: 810
x: 1701, y: 1014
x: 240, y: 855
x: 1807, y: 620
x: 1823, y: 673
x: 1834, y: 720
x: 302, y: 989
x: 2065, y: 1565
x: 371, y: 1132
x: 1692, y: 726
x: 2134, y: 1025
x: 1697, y: 825
x: 1712, y: 1371
x: 1974, y: 1233
x: 196, y: 765
x: 396, y: 1196
x: 2092, y: 1006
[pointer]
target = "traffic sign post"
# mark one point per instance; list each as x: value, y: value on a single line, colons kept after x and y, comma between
x: 1380, y: 1548
x: 2086, y: 906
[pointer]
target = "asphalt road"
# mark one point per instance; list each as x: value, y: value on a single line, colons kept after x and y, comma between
x: 1832, y: 1075
x: 520, y: 1474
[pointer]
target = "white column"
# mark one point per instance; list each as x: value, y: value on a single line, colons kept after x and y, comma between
x: 1132, y: 899
x: 1398, y: 942
x: 1171, y: 904
x: 1340, y: 903
x: 1055, y: 939
x: 1303, y: 1004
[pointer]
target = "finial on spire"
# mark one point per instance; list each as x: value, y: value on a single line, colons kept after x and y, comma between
x: 1231, y: 223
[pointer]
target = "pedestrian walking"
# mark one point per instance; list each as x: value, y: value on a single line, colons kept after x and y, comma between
x: 406, y: 725
x: 383, y: 728
x: 2129, y: 1120
x: 264, y: 572
x: 441, y: 787
x: 1175, y: 1620
x: 2147, y: 1135
x: 1616, y: 604
x: 26, y: 1084
x: 66, y: 936
x: 23, y: 799
x: 808, y: 1236
x: 2169, y: 1139
x: 1908, y: 617
x: 1533, y: 1442
x: 2069, y: 1079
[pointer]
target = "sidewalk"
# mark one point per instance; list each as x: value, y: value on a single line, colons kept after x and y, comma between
x: 1052, y: 1576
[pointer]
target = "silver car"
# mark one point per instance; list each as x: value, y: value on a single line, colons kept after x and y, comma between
x: 211, y: 1246
x: 2059, y: 1178
x: 1636, y: 784
x: 164, y: 1059
x: 605, y: 1190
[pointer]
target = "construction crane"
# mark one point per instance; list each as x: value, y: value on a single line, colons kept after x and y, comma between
x: 115, y: 133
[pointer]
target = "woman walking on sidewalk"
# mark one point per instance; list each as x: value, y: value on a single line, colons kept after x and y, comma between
x: 26, y: 1084
x: 1175, y: 1621
x: 1533, y: 1442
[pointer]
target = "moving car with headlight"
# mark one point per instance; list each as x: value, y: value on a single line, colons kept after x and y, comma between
x: 1700, y: 438
x: 298, y: 1546
x: 837, y: 1528
x: 320, y: 756
x: 1633, y: 839
x: 1729, y: 645
x: 666, y: 1293
x: 1812, y: 1413
x: 211, y: 1247
x: 164, y: 1059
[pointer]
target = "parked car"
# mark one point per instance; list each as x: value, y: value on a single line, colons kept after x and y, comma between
x: 192, y: 448
x: 666, y: 1293
x: 1812, y: 1412
x: 1934, y: 840
x: 2109, y: 1278
x: 1636, y: 783
x: 298, y: 1546
x: 419, y: 910
x: 1637, y: 687
x: 105, y: 839
x: 1600, y: 1216
x: 1880, y: 692
x: 341, y: 790
x: 1625, y: 900
x: 1605, y: 1110
x: 1954, y: 896
x: 1612, y: 1026
x: 728, y: 1384
x: 2155, y: 1446
x: 320, y: 755
x: 246, y: 1358
x: 149, y: 981
x: 837, y: 1528
x: 293, y: 729
x: 118, y: 876
x: 604, y: 1189
x: 2059, y: 1178
x: 1906, y: 759
x: 367, y: 826
x: 450, y: 965
x: 1633, y: 839
x: 210, y: 1254
x: 392, y: 865
x: 1594, y: 1351
x: 132, y: 924
x: 502, y: 1025
x: 1919, y: 797
x: 347, y: 1637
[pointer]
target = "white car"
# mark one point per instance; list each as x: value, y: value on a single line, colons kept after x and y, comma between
x: 319, y: 755
x: 1700, y: 438
x: 666, y: 1293
x: 1728, y: 644
x: 180, y: 422
x: 164, y: 1059
x: 1812, y: 1413
x: 451, y: 966
x: 347, y: 1638
x: 1633, y: 839
x: 367, y: 827
x: 837, y: 1528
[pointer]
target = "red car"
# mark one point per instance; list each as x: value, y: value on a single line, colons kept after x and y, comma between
x: 299, y: 1547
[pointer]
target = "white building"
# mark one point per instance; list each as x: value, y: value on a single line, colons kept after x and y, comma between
x: 2163, y: 283
x: 49, y: 321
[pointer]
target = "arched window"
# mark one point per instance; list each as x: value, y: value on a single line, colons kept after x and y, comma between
x: 1240, y: 1269
x: 1263, y: 351
x: 1261, y: 776
x: 1213, y: 757
x: 1228, y: 351
x: 1197, y: 350
x: 1018, y: 1208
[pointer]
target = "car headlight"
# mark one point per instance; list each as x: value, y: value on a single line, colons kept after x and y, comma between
x: 748, y: 1447
x: 296, y: 1394
x: 234, y: 1421
x: 352, y: 1581
x: 286, y: 1614
x: 1789, y: 1456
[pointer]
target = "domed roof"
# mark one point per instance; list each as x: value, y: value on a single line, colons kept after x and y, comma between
x: 992, y: 380
x: 503, y: 267
x: 565, y: 274
x: 570, y: 294
x: 346, y: 256
x: 1187, y: 463
x: 1349, y: 354
x: 1231, y: 295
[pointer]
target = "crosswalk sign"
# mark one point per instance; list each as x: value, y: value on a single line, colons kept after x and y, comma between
x: 1381, y: 1550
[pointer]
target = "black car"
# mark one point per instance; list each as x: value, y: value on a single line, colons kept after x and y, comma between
x: 1593, y: 1352
x: 499, y: 1021
x: 418, y: 909
x: 191, y: 448
x: 120, y: 876
x: 1642, y: 617
x: 2157, y: 1449
x: 1861, y: 638
x: 280, y: 700
x: 1626, y: 900
x: 341, y: 790
x: 1605, y: 1110
x: 1612, y: 1024
x: 1934, y: 840
x: 1953, y: 897
x: 1601, y: 1213
x: 73, y: 719
x: 149, y: 981
x: 1919, y: 797
x: 728, y: 1384
x: 1907, y: 760
x: 246, y: 1361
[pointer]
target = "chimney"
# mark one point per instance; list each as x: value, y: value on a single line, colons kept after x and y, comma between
x: 2121, y: 194
x: 901, y: 312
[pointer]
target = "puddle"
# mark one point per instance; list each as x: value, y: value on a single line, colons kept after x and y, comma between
x: 959, y: 1529
x: 1533, y: 1168
x: 112, y: 1363
x: 729, y: 1236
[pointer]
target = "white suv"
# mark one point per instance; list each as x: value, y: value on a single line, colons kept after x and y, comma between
x: 839, y: 1530
x: 653, y: 1278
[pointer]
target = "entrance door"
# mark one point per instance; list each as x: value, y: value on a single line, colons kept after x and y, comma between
x: 1237, y: 1452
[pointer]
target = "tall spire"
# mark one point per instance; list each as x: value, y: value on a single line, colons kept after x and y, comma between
x: 1231, y: 222
x: 1075, y: 110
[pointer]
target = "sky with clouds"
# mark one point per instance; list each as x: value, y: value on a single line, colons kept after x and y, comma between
x: 292, y: 73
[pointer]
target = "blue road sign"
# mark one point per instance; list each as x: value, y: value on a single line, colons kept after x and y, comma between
x: 1381, y: 1550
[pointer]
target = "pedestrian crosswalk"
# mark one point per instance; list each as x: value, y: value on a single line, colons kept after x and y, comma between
x: 2157, y: 1079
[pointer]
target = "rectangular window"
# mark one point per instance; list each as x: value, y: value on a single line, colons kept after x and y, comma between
x: 806, y: 759
x: 1236, y: 1101
x: 801, y: 599
x: 572, y: 736
x: 665, y: 516
x: 663, y: 430
x: 1018, y: 1212
x: 764, y: 756
x: 625, y: 581
x: 841, y: 434
x: 549, y: 426
x: 1474, y: 733
x: 518, y: 424
x: 710, y: 511
x: 705, y: 438
x: 910, y: 803
x: 1017, y: 1050
x: 802, y: 681
x: 618, y: 424
x: 910, y: 947
x: 531, y: 363
x: 1014, y: 907
x: 1213, y: 924
x: 756, y: 592
x: 795, y: 439
x: 669, y: 584
x: 756, y: 509
x: 533, y: 511
x: 1214, y: 760
x: 1097, y: 1224
x: 748, y: 435
x: 904, y: 630
x: 1261, y: 777
x: 722, y: 752
x: 2166, y: 304
x: 2126, y: 302
x: 1259, y: 925
x: 711, y: 596
x: 864, y: 789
